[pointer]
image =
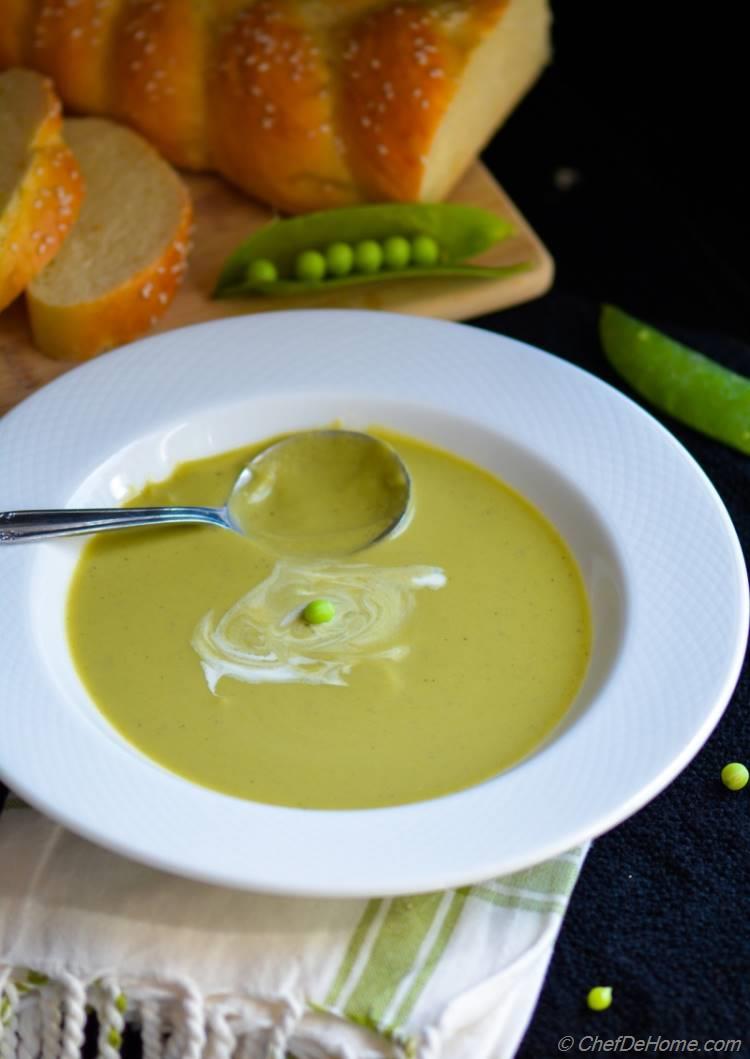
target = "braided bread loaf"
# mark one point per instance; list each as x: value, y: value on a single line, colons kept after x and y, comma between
x: 301, y: 103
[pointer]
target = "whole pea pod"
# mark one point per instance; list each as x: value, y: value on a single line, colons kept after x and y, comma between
x: 678, y: 380
x: 364, y: 244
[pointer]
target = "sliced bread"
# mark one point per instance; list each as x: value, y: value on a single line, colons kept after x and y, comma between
x: 122, y: 264
x: 40, y: 182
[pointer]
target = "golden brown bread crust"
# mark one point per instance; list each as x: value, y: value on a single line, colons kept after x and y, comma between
x: 46, y: 209
x: 301, y: 103
x: 269, y: 93
x: 158, y: 63
x: 43, y: 207
x: 15, y: 31
x: 398, y: 76
x: 72, y: 43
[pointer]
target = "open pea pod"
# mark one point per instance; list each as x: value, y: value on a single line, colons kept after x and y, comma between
x: 461, y: 232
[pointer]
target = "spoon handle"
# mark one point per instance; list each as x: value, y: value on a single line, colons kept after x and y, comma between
x: 18, y: 526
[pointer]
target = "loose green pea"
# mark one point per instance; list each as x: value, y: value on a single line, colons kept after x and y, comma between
x: 262, y: 271
x: 599, y: 998
x: 340, y: 259
x: 318, y: 611
x: 735, y: 776
x: 424, y: 251
x: 310, y: 265
x: 396, y: 252
x: 368, y: 256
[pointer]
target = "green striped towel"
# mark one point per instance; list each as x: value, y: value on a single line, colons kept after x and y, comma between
x: 209, y: 973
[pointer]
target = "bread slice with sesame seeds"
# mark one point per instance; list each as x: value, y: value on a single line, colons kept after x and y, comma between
x: 40, y: 182
x: 126, y: 257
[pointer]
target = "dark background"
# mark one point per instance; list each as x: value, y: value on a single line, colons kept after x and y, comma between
x: 646, y: 104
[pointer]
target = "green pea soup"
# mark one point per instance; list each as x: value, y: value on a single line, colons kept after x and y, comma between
x: 465, y: 675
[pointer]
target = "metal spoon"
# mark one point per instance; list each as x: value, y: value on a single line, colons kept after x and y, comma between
x: 342, y: 463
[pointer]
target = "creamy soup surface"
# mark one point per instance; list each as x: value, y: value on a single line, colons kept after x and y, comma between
x: 454, y: 650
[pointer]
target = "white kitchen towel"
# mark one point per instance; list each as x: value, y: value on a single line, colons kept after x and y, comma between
x: 211, y: 973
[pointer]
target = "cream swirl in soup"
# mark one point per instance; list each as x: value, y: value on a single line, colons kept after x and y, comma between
x: 263, y: 637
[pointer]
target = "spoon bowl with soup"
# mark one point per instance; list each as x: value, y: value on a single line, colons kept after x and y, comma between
x: 314, y: 493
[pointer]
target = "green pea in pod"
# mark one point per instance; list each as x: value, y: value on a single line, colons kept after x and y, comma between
x: 460, y: 232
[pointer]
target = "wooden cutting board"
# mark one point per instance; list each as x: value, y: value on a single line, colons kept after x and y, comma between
x: 224, y: 217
